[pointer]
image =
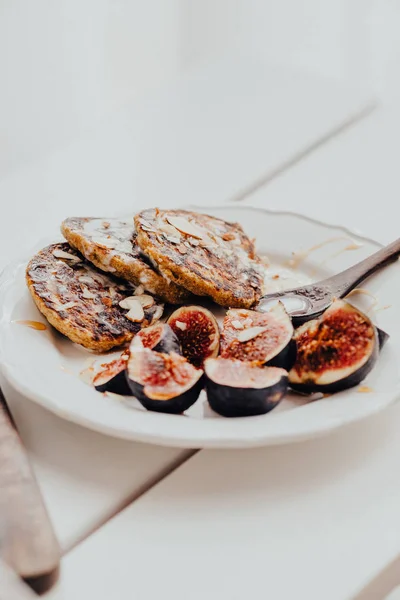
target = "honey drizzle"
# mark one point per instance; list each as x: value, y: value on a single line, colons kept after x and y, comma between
x: 37, y: 325
x: 365, y: 293
x: 352, y: 246
x: 299, y: 257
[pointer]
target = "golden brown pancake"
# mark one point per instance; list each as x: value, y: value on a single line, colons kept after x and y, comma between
x: 83, y: 303
x: 203, y: 254
x: 110, y: 244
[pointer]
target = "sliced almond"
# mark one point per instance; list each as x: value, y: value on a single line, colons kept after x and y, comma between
x: 136, y: 312
x: 66, y: 306
x: 185, y: 226
x: 88, y: 294
x: 180, y: 325
x: 105, y: 242
x: 86, y: 279
x: 129, y: 302
x: 173, y: 239
x: 66, y: 255
x: 168, y: 230
x: 145, y: 223
x: 250, y: 334
x: 157, y: 313
x: 145, y: 300
x: 237, y: 324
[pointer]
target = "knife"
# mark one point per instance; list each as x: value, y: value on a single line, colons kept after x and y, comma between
x: 27, y: 540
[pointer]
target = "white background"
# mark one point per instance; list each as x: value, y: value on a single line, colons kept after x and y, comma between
x: 66, y: 64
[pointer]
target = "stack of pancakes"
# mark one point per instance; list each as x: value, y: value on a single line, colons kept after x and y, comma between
x: 113, y: 275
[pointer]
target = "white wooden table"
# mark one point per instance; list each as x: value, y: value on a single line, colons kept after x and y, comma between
x: 226, y: 524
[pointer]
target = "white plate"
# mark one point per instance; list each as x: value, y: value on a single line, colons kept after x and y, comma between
x: 45, y: 366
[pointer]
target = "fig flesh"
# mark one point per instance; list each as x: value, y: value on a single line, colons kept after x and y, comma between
x: 197, y: 331
x: 158, y: 337
x: 111, y: 377
x: 163, y: 382
x: 241, y: 389
x: 335, y: 351
x: 259, y: 337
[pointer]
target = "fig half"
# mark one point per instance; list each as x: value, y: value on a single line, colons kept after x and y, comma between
x: 158, y: 337
x: 111, y: 377
x: 335, y: 351
x: 197, y: 331
x: 239, y: 389
x: 163, y: 382
x: 259, y: 337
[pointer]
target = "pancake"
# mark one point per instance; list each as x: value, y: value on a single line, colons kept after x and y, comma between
x: 203, y: 254
x: 110, y: 244
x: 83, y: 303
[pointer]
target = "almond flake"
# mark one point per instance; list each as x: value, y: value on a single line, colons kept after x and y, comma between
x: 66, y: 306
x: 180, y: 325
x: 88, y: 294
x: 105, y: 242
x: 129, y: 302
x: 145, y: 300
x: 86, y: 279
x: 168, y: 230
x: 184, y: 226
x: 67, y: 255
x: 157, y: 313
x: 237, y: 324
x: 173, y: 240
x: 249, y: 334
x: 145, y: 223
x: 136, y: 313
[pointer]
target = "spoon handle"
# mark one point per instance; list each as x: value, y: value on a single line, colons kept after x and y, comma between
x: 347, y: 280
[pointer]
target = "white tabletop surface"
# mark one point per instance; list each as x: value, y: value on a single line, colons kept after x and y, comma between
x: 207, y: 141
x: 318, y: 519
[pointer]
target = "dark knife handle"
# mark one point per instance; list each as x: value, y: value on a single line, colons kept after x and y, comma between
x: 27, y: 540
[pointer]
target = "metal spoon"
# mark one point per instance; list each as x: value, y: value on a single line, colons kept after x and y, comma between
x: 309, y: 301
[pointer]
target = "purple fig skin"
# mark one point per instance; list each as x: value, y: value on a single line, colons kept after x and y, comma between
x: 175, y: 405
x: 116, y: 385
x: 165, y: 340
x: 243, y: 401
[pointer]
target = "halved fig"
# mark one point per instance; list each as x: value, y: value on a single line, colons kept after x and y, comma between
x: 163, y: 382
x: 197, y: 331
x: 158, y: 337
x: 111, y: 377
x: 239, y: 389
x: 259, y: 337
x: 335, y: 351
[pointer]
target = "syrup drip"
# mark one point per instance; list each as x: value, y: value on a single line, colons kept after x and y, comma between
x: 37, y: 325
x: 299, y: 257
